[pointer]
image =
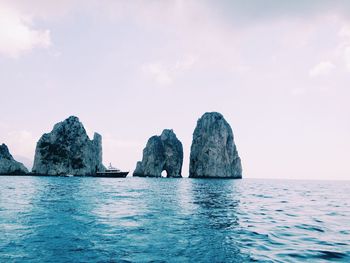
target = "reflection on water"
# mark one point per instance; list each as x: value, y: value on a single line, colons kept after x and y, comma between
x: 216, y: 211
x: 44, y: 219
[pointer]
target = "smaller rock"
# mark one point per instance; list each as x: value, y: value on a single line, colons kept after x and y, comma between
x: 8, y: 165
x: 162, y: 153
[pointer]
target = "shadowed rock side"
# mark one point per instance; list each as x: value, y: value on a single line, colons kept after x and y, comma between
x: 213, y: 151
x: 8, y: 165
x: 162, y: 153
x: 67, y: 149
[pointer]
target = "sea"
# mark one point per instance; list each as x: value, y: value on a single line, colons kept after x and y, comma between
x: 86, y: 219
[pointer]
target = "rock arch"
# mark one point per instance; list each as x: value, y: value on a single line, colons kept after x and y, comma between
x: 162, y: 153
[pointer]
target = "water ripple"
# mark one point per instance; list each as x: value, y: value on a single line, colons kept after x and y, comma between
x: 44, y: 219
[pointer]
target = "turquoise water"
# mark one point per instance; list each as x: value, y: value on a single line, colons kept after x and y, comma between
x: 50, y: 219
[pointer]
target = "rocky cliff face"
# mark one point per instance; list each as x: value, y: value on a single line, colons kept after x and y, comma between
x: 162, y: 153
x: 213, y: 151
x: 8, y: 165
x: 67, y: 149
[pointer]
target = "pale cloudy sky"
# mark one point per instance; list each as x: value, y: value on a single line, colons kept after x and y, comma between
x: 279, y: 71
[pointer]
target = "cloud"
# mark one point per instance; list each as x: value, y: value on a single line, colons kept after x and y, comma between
x: 185, y: 64
x: 17, y: 34
x: 321, y: 69
x: 159, y: 73
x: 166, y: 74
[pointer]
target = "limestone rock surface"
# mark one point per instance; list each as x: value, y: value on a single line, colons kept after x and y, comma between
x: 162, y: 153
x: 8, y: 165
x: 67, y: 149
x: 213, y: 151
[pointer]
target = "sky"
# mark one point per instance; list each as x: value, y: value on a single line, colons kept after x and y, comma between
x: 279, y: 72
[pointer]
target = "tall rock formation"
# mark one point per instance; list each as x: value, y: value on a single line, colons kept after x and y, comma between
x: 213, y: 151
x: 67, y: 149
x: 162, y: 153
x: 8, y: 165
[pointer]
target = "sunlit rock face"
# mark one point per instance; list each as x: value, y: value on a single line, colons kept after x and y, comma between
x: 67, y: 149
x: 213, y: 151
x: 8, y: 165
x: 162, y: 153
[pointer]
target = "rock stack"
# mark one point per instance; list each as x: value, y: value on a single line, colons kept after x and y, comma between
x: 8, y: 165
x: 67, y: 149
x: 213, y: 151
x: 162, y: 153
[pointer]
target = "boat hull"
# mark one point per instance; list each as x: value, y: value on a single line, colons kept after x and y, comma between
x: 113, y: 175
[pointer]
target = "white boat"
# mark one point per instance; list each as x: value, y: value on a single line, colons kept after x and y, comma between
x: 111, y: 172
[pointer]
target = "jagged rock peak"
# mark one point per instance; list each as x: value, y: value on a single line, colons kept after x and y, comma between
x: 4, y: 152
x: 162, y: 153
x: 213, y: 151
x: 67, y: 149
x: 8, y: 165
